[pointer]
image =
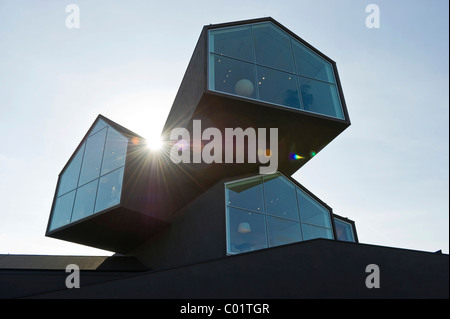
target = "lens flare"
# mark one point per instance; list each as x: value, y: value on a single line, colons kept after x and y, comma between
x: 296, y: 156
x: 135, y: 140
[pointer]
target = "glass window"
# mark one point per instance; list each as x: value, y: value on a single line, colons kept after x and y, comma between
x: 246, y: 194
x: 261, y: 61
x: 246, y: 231
x: 69, y: 178
x: 233, y: 76
x: 279, y: 210
x: 93, y: 154
x: 84, y: 201
x: 320, y: 97
x: 98, y: 126
x: 280, y: 197
x: 311, y: 211
x: 278, y: 87
x: 115, y: 151
x: 62, y: 210
x: 313, y: 232
x: 233, y: 42
x: 92, y: 181
x: 311, y: 65
x: 109, y: 190
x: 273, y: 47
x: 344, y: 230
x: 282, y: 231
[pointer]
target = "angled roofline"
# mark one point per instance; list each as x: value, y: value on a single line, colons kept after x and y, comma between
x: 122, y: 130
x: 118, y: 127
x: 272, y: 20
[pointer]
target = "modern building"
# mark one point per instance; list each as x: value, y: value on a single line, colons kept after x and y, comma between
x: 185, y: 226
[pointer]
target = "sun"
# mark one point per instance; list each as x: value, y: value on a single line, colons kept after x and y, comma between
x: 154, y: 143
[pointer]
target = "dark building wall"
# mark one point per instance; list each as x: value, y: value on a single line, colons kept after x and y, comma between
x: 191, y: 89
x: 196, y: 235
x: 27, y: 275
x: 312, y: 269
x: 20, y: 283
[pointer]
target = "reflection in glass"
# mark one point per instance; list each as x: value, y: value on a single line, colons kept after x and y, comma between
x: 282, y: 231
x: 82, y: 185
x: 261, y: 61
x: 278, y: 87
x: 320, y: 97
x: 310, y: 64
x: 84, y: 201
x: 272, y: 206
x: 62, y: 210
x: 312, y: 232
x: 273, y: 47
x: 98, y: 126
x: 246, y: 194
x: 233, y: 76
x: 69, y: 178
x: 311, y: 211
x: 246, y: 231
x: 109, y: 190
x: 344, y: 230
x: 233, y: 42
x: 90, y: 168
x: 115, y: 151
x: 280, y: 197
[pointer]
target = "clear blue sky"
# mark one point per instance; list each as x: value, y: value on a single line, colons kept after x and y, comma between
x: 389, y: 171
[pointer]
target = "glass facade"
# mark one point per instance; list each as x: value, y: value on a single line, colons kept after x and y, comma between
x: 262, y: 62
x: 270, y: 210
x: 92, y: 180
x: 344, y: 230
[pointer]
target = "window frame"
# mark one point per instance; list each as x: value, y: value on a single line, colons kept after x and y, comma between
x: 94, y: 129
x: 210, y: 79
x: 349, y: 222
x: 263, y: 213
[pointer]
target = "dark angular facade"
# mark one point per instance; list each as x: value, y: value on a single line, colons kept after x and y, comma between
x: 237, y: 232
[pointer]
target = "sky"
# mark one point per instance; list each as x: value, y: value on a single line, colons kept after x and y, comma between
x: 389, y: 171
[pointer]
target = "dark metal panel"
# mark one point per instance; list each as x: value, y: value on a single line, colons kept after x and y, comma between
x: 316, y: 269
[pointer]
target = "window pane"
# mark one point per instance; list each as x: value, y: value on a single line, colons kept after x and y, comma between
x: 69, y: 177
x: 232, y: 76
x: 282, y: 231
x: 115, y: 151
x: 280, y: 197
x: 98, y: 126
x: 278, y: 87
x: 233, y: 42
x: 246, y: 231
x: 320, y: 97
x: 312, y: 232
x: 84, y: 201
x: 109, y: 190
x: 62, y: 210
x: 311, y: 65
x: 312, y: 212
x: 92, y: 157
x: 273, y: 47
x: 344, y: 230
x: 246, y: 194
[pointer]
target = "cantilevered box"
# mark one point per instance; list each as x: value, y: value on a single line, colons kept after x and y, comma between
x: 258, y: 74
